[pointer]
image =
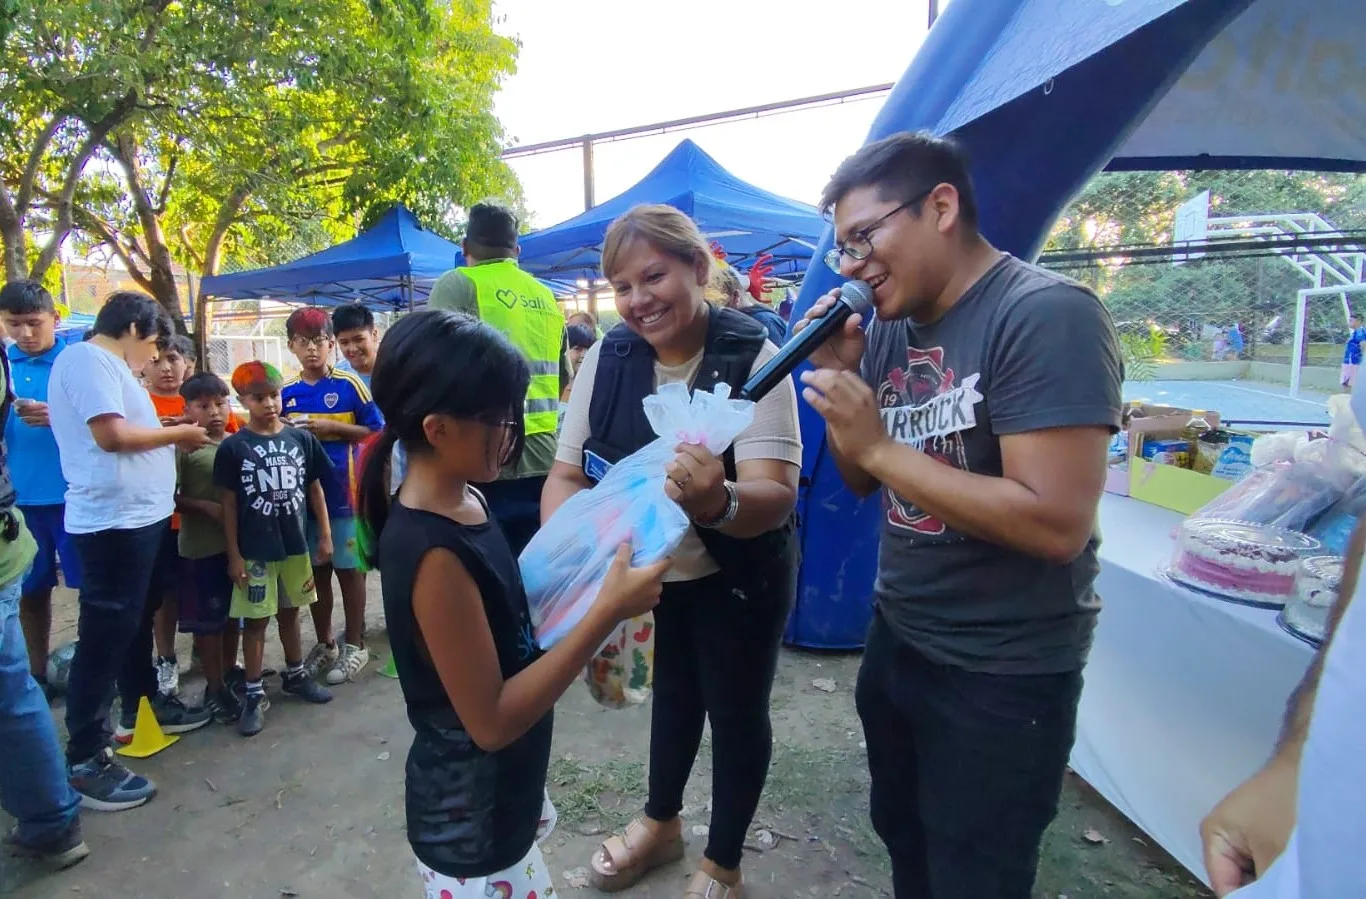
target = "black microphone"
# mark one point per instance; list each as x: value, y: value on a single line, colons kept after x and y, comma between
x: 855, y: 296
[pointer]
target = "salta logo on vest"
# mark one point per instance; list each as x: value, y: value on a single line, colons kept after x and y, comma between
x: 511, y: 298
x: 923, y: 407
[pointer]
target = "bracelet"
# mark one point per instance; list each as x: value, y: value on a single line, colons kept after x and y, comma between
x: 728, y: 515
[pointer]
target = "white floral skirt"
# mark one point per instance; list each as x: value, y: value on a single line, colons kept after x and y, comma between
x: 528, y: 879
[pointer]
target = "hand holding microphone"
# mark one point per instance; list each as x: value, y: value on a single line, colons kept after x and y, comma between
x: 829, y: 336
x: 843, y: 347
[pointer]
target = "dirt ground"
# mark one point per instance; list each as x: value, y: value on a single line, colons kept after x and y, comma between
x: 313, y: 806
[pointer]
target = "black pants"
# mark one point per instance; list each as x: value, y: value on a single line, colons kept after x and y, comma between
x: 715, y: 657
x: 114, y: 631
x: 516, y: 504
x: 966, y: 769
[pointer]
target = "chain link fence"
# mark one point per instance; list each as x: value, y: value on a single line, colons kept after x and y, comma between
x: 1229, y: 295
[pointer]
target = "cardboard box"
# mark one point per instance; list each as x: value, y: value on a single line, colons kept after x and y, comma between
x: 1117, y: 480
x: 1168, y: 486
x: 1179, y: 489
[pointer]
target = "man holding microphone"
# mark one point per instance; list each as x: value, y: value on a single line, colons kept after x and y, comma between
x: 980, y: 403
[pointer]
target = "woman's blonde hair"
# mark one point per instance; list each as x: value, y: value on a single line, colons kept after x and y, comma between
x: 725, y: 283
x: 662, y: 227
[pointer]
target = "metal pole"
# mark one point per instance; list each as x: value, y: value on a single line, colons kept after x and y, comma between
x: 934, y: 12
x: 1296, y: 359
x: 587, y: 172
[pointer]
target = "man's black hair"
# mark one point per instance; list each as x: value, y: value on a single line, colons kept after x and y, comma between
x: 178, y: 343
x: 903, y: 166
x: 492, y: 231
x: 25, y: 297
x: 580, y: 337
x: 125, y: 309
x: 203, y: 384
x: 352, y: 317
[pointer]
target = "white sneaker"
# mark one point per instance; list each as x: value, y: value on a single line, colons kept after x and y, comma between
x: 168, y: 677
x: 351, y: 661
x: 320, y: 658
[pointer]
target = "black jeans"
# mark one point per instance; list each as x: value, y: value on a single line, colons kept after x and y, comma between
x: 966, y: 768
x: 516, y: 505
x: 114, y: 632
x: 715, y: 657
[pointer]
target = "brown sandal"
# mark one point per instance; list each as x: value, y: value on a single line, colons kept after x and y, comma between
x: 622, y: 860
x: 704, y: 886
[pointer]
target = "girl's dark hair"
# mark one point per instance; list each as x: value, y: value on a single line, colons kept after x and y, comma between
x: 436, y: 362
x: 126, y: 309
x: 201, y: 385
x: 579, y: 336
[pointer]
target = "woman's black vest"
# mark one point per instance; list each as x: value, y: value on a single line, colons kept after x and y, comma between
x: 766, y: 564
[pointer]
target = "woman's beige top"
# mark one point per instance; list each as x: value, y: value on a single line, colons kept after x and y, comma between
x: 772, y: 435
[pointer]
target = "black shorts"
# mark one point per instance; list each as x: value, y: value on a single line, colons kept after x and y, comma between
x: 166, y: 569
x: 205, y: 593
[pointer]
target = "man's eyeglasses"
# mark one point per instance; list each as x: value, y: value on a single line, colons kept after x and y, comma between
x: 859, y: 245
x: 317, y: 342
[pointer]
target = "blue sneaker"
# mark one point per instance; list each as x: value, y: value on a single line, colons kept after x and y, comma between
x: 107, y: 786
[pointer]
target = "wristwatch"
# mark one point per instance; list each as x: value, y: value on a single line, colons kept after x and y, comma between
x: 727, y: 516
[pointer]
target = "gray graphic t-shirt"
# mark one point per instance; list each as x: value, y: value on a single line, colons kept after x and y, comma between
x: 1023, y: 350
x: 271, y: 476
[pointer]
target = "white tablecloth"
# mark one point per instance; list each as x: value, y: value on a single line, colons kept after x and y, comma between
x: 1184, y: 693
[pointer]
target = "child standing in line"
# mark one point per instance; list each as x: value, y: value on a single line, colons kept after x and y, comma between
x: 335, y: 406
x: 30, y: 318
x: 268, y: 475
x: 205, y: 587
x: 479, y: 691
x: 357, y: 338
x: 163, y: 376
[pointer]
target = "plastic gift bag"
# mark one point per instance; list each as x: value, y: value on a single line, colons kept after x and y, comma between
x: 622, y: 672
x: 564, y: 564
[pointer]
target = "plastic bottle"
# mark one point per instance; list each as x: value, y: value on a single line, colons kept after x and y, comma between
x: 1197, y: 427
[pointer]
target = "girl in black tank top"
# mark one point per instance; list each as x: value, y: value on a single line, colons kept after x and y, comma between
x: 478, y: 689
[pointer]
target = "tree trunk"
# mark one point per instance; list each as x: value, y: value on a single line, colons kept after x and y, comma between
x: 12, y: 235
x: 160, y: 268
x: 213, y: 256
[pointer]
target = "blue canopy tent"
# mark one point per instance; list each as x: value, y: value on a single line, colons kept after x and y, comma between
x: 391, y: 265
x: 742, y: 218
x: 1044, y: 94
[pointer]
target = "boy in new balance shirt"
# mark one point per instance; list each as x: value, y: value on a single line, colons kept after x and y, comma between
x: 335, y: 406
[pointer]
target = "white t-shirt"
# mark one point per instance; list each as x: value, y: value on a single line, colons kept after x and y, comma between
x: 1322, y: 860
x: 106, y: 490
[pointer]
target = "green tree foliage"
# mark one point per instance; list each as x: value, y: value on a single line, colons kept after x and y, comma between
x: 192, y: 132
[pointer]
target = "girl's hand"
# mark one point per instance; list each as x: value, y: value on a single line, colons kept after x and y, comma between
x: 628, y: 592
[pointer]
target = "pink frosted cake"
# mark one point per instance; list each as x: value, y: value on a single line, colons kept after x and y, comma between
x: 1240, y: 560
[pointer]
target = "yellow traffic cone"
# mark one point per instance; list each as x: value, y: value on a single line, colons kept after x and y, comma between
x: 148, y: 738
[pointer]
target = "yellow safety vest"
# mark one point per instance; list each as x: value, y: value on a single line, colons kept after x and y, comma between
x: 525, y: 310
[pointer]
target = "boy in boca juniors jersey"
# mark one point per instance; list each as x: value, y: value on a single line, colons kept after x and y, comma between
x: 269, y: 478
x: 335, y: 406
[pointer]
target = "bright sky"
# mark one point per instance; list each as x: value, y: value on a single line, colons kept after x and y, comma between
x: 601, y: 65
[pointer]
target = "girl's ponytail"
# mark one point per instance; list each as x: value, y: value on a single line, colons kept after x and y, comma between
x: 372, y: 499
